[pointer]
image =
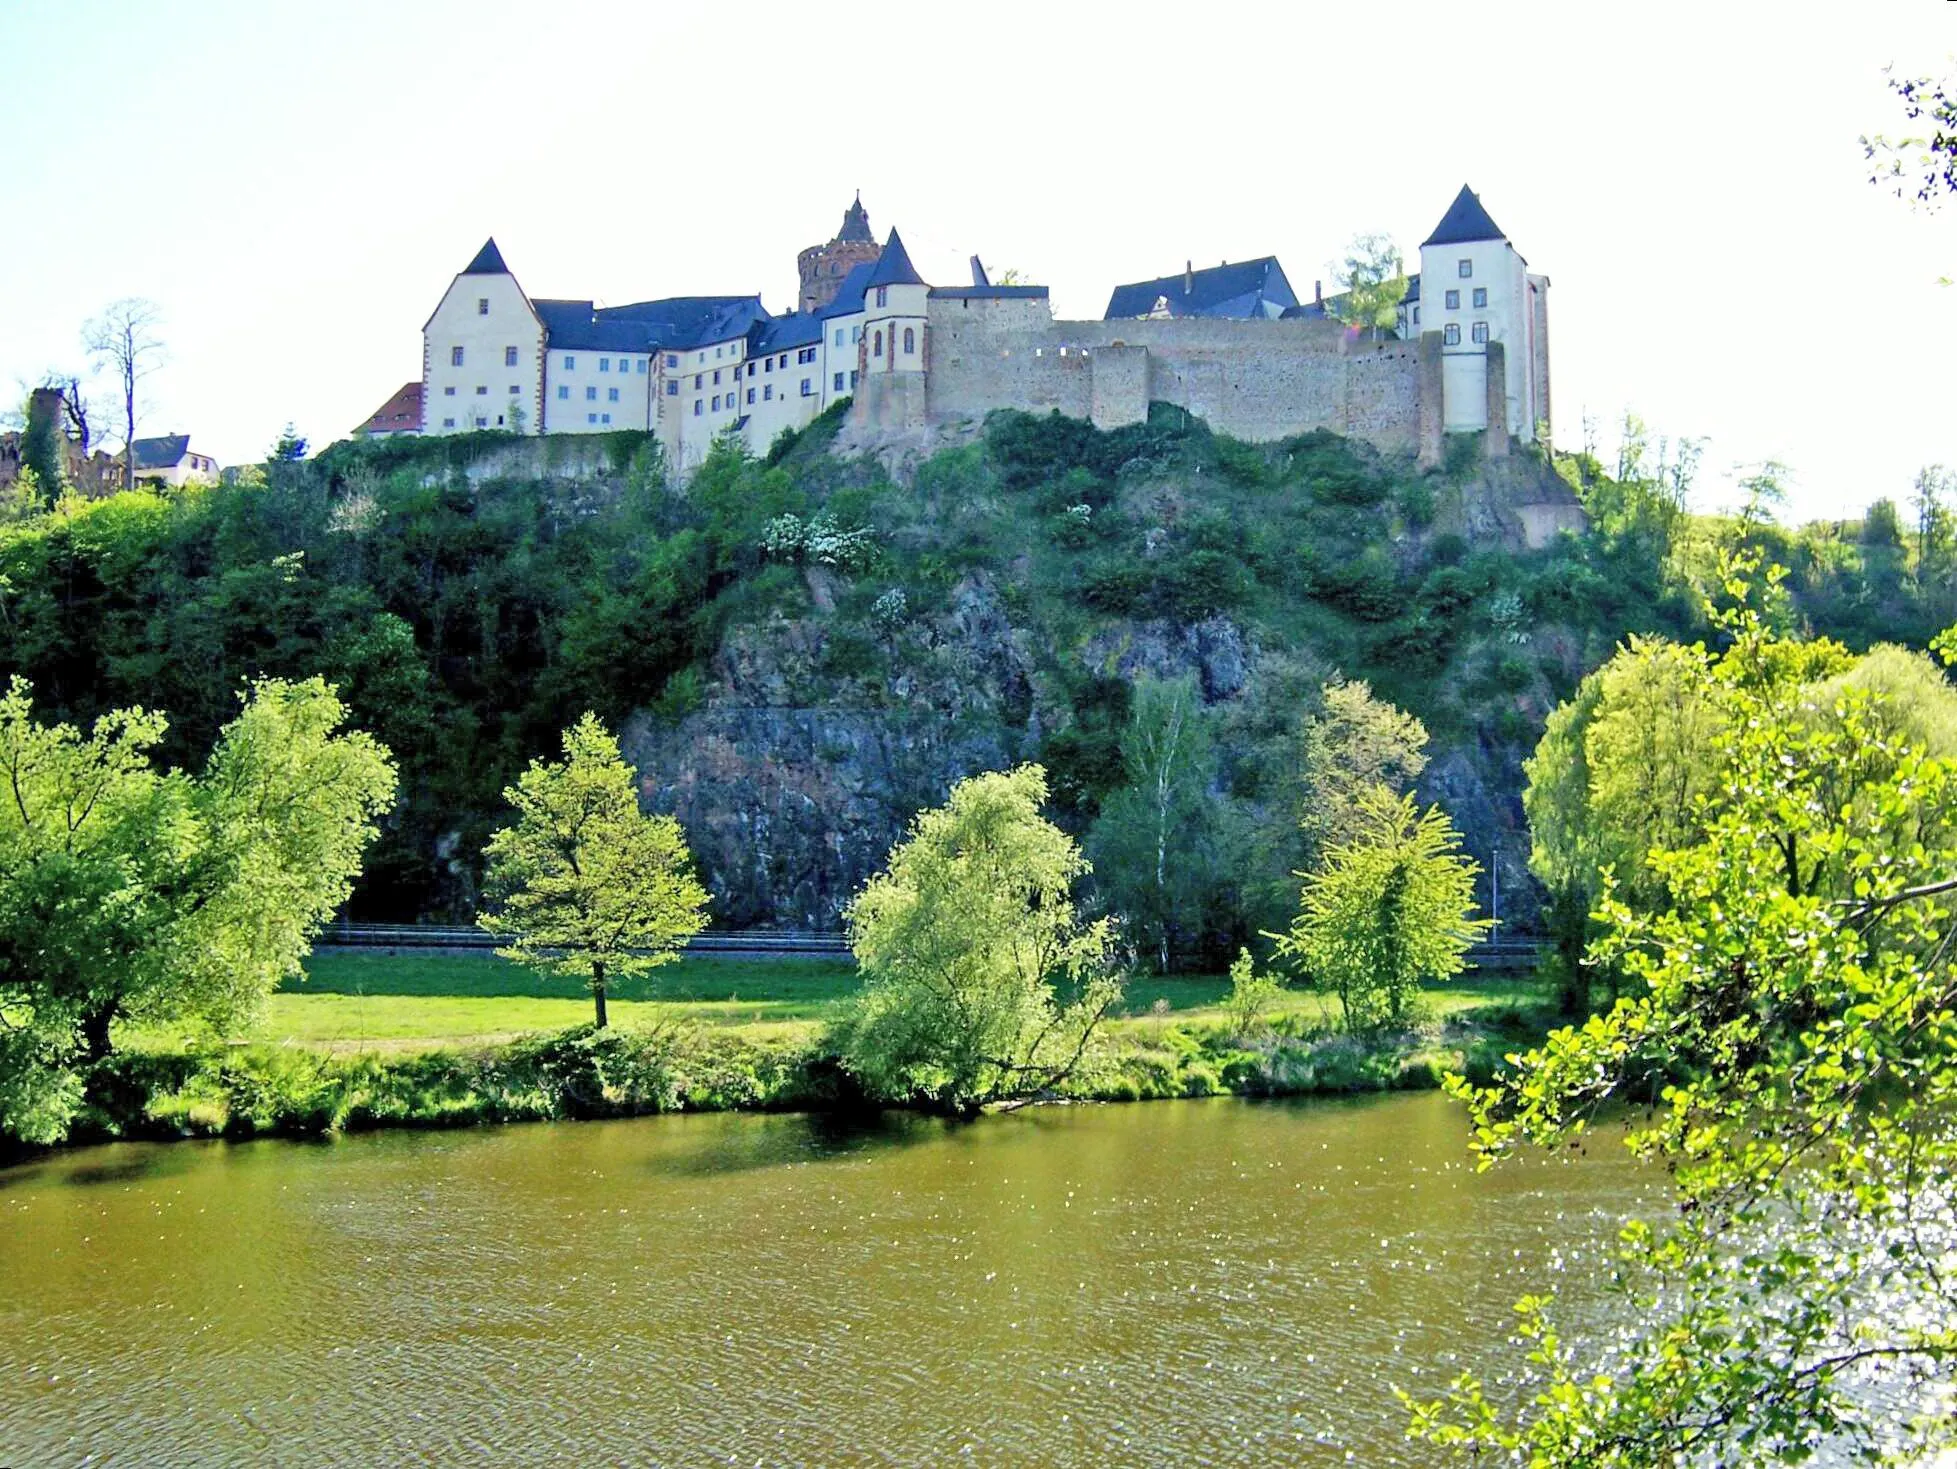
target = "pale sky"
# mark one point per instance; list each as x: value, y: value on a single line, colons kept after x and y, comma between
x: 295, y: 185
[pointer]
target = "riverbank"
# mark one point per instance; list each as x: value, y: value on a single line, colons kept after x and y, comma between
x: 425, y: 1041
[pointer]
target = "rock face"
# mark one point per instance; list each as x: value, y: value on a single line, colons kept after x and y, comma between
x: 794, y: 779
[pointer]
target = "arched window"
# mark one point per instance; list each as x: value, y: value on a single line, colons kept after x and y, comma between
x: 910, y: 340
x: 876, y: 344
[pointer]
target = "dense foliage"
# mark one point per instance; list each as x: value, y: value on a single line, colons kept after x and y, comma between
x: 1793, y: 1017
x: 982, y: 981
x: 130, y: 893
x: 583, y: 882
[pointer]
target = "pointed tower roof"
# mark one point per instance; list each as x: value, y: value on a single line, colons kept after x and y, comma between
x: 488, y: 261
x: 856, y: 223
x: 1464, y: 221
x: 894, y: 266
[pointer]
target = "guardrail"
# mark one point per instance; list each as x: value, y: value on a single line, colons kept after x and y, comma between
x: 1493, y: 954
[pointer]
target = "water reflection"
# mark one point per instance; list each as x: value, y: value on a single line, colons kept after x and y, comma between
x: 1219, y: 1282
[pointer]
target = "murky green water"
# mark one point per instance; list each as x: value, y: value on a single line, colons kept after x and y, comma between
x: 1194, y: 1282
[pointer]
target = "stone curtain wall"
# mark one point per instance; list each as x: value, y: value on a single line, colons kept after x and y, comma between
x: 1256, y: 380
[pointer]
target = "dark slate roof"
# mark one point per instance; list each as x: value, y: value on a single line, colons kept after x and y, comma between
x: 677, y: 323
x: 849, y: 295
x: 856, y: 223
x: 1412, y: 296
x: 488, y: 261
x: 990, y: 293
x: 1464, y: 221
x: 165, y: 452
x: 1247, y: 289
x: 1312, y: 310
x: 894, y: 266
x: 779, y: 333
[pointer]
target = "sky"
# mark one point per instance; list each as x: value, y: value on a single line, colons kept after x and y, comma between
x: 295, y: 185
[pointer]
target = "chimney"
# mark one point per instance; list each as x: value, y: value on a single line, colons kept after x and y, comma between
x: 978, y: 273
x: 1318, y: 290
x: 1188, y: 276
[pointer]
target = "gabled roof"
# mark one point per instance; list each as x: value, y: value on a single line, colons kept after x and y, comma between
x: 1248, y: 289
x: 677, y: 323
x: 399, y: 414
x: 894, y: 266
x: 1464, y: 221
x: 488, y: 261
x: 163, y: 452
x: 1328, y: 305
x: 780, y: 333
x: 849, y: 295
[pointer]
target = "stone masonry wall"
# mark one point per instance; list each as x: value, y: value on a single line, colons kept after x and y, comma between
x: 1256, y: 380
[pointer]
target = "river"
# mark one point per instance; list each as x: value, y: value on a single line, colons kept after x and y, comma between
x: 1218, y: 1282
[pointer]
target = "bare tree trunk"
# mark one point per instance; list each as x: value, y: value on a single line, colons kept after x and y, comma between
x: 598, y: 991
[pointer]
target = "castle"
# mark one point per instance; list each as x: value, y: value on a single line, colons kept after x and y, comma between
x: 1232, y: 344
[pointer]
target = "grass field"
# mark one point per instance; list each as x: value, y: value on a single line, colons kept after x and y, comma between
x: 405, y: 1002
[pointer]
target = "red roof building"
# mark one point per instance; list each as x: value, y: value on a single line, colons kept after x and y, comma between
x: 400, y: 414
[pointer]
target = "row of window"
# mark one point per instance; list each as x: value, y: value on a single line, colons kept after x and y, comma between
x: 625, y: 364
x: 590, y: 394
x: 482, y: 391
x: 1451, y: 333
x: 910, y: 341
x: 1453, y: 302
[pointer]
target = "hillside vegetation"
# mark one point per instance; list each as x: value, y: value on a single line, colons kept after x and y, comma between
x: 806, y: 649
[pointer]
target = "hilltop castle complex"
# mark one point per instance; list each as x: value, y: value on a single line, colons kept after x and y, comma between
x: 1232, y: 344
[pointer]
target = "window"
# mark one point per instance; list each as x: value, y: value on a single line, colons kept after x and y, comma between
x: 454, y: 356
x: 672, y: 359
x: 839, y: 384
x: 716, y: 377
x: 696, y: 407
x: 604, y: 364
x: 448, y: 392
x: 839, y: 336
x: 482, y: 390
x: 716, y: 402
x: 672, y: 387
x: 1480, y: 332
x: 782, y: 361
x: 482, y: 423
x: 855, y: 335
x: 570, y: 364
x: 514, y: 390
x: 883, y: 295
x: 1481, y: 295
x: 876, y: 345
x: 448, y: 423
x: 1453, y: 302
x: 604, y: 418
x: 698, y: 380
x: 611, y: 395
x: 750, y: 395
x: 1416, y: 316
x: 482, y: 305
x: 910, y: 340
x: 768, y: 365
x: 1467, y: 268
x: 640, y: 365
x: 1453, y: 338
x: 509, y: 357
x: 806, y: 355
x: 750, y: 369
x: 767, y: 392
x: 699, y: 356
x: 499, y: 420
x: 808, y: 387
x: 591, y: 418
x: 852, y: 380
x: 563, y: 392
x: 591, y: 395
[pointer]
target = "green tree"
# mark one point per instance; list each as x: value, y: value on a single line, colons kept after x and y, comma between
x: 1795, y: 1008
x: 1374, y: 277
x: 1353, y: 746
x: 982, y: 981
x: 1388, y: 911
x: 584, y: 883
x: 290, y: 447
x: 1154, y: 843
x: 133, y: 894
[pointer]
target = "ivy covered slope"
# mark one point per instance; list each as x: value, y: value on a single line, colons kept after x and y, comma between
x: 804, y: 651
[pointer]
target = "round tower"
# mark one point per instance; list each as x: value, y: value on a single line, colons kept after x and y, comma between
x: 822, y: 267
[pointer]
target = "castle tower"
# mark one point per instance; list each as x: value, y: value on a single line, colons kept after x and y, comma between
x: 822, y: 267
x: 894, y: 351
x: 1477, y: 291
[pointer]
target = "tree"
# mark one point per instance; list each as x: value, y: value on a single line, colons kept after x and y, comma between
x: 584, y: 882
x: 1793, y: 1021
x: 290, y: 447
x: 1374, y: 277
x: 982, y: 981
x: 124, y: 339
x: 1154, y: 840
x: 1355, y: 745
x: 1388, y: 911
x: 130, y: 894
x: 1923, y: 165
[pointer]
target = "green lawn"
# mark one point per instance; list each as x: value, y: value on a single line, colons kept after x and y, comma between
x: 352, y: 1001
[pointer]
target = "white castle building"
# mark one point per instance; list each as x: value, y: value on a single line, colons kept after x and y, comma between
x: 1232, y: 343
